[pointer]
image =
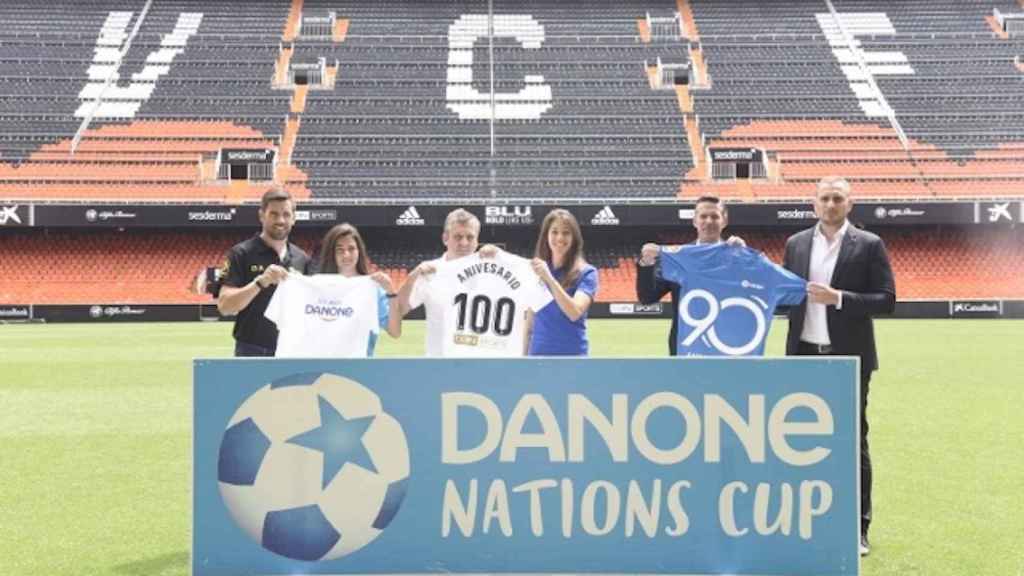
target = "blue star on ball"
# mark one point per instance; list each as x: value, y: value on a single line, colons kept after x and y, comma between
x: 340, y: 440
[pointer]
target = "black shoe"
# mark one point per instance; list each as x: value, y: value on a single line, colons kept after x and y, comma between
x: 865, y: 548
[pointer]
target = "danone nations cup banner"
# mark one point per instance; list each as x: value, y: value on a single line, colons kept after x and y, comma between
x: 676, y: 466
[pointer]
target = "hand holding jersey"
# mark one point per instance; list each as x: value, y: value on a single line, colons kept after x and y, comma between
x: 476, y: 307
x: 728, y: 296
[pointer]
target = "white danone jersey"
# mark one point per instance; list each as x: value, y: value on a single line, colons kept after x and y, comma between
x: 476, y: 307
x: 324, y: 316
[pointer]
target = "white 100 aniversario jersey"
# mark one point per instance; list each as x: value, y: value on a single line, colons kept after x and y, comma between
x: 476, y: 306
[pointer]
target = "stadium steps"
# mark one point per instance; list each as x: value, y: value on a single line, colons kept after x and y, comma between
x: 644, y: 30
x: 291, y: 133
x: 996, y: 28
x: 284, y: 59
x: 699, y: 172
x: 689, y: 20
x: 340, y: 30
x: 294, y: 24
x: 685, y: 99
x: 142, y: 160
x: 701, y: 78
x: 298, y: 105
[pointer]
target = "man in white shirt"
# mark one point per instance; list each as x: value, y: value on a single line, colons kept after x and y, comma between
x: 849, y: 281
x: 479, y: 304
x: 461, y: 237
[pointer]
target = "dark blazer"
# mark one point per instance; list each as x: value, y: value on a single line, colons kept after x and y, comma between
x: 864, y: 275
x: 650, y: 288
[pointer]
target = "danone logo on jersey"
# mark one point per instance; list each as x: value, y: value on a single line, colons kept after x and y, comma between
x: 329, y: 310
x: 606, y: 217
x: 411, y: 217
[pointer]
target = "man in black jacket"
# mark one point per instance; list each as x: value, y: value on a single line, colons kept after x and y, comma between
x: 710, y: 219
x: 253, y: 270
x: 849, y: 281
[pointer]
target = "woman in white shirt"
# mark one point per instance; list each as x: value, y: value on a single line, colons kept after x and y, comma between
x: 343, y: 251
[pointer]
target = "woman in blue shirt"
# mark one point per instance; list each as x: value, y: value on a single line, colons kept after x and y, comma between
x: 344, y: 252
x: 560, y: 328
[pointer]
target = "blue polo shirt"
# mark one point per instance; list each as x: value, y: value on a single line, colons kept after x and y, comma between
x: 553, y: 333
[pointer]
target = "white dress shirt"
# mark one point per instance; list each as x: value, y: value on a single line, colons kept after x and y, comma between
x: 823, y: 263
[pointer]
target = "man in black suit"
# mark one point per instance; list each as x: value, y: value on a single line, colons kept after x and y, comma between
x: 710, y: 218
x: 849, y: 281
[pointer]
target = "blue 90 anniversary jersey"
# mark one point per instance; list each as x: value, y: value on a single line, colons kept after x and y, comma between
x: 727, y: 297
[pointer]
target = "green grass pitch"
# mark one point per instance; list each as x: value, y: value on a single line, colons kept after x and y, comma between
x: 95, y: 440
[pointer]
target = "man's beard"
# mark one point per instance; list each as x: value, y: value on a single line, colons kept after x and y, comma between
x: 277, y: 233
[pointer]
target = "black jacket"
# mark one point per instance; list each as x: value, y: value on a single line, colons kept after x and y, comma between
x: 864, y: 275
x: 650, y: 288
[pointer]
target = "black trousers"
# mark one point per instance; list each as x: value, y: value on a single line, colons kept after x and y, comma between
x: 244, y: 349
x: 865, y: 454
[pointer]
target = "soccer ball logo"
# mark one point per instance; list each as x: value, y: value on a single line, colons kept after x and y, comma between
x: 312, y: 468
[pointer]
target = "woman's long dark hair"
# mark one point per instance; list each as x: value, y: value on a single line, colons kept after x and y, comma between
x: 329, y: 262
x: 574, y: 261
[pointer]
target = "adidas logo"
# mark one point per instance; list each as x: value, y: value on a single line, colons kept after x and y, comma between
x: 605, y: 218
x: 411, y: 217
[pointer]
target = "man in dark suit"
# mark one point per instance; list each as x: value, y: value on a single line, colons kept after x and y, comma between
x: 710, y: 218
x: 849, y: 281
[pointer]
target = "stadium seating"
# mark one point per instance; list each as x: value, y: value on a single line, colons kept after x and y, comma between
x: 778, y: 76
x: 101, y: 102
x: 145, y: 267
x: 782, y: 83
